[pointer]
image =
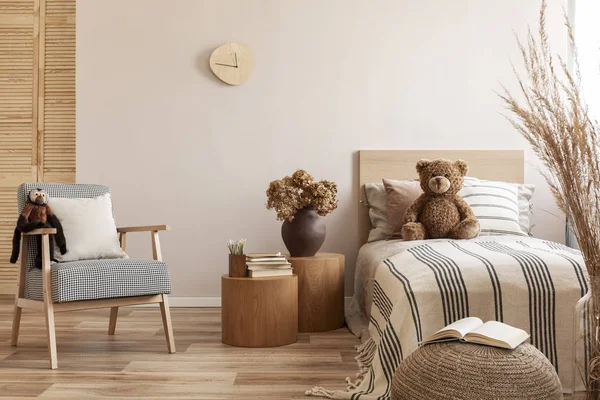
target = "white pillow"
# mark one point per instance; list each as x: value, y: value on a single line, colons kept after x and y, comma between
x: 377, y: 203
x: 525, y: 194
x: 89, y: 227
x: 501, y: 208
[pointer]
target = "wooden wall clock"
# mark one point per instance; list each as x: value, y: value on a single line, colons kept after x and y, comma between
x: 232, y: 63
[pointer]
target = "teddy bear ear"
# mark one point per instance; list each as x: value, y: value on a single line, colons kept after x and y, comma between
x: 422, y: 164
x: 462, y: 167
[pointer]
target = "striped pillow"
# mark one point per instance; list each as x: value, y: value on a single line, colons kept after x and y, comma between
x: 496, y: 206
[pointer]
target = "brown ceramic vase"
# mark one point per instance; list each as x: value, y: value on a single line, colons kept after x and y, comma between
x: 305, y: 235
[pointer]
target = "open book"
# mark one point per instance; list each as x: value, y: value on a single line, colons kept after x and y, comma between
x: 473, y: 330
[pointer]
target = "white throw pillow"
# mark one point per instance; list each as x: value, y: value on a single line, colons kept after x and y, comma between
x: 89, y: 227
x: 526, y: 191
x: 377, y: 203
x: 501, y: 208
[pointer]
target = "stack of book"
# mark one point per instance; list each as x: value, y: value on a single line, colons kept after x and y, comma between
x: 260, y: 265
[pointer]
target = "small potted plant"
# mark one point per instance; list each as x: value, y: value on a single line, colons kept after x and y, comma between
x: 237, y: 258
x: 300, y: 201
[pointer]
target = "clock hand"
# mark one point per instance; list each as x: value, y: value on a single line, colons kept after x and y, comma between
x: 226, y: 65
x: 236, y: 64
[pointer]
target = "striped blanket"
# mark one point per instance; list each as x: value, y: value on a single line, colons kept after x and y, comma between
x: 535, y: 285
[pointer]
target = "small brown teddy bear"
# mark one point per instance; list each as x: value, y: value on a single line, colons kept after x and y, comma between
x: 440, y: 212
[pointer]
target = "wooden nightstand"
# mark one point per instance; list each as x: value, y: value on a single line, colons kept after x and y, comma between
x: 259, y: 312
x: 320, y: 291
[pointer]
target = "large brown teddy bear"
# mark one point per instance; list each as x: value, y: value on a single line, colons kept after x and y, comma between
x: 440, y: 212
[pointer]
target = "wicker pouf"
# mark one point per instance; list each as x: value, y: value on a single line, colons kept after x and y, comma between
x: 455, y: 370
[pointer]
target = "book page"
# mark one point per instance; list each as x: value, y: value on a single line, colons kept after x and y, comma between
x: 499, y: 332
x: 268, y: 267
x: 263, y: 255
x: 457, y: 329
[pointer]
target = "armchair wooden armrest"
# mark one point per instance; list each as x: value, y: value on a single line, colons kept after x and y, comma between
x: 148, y: 228
x: 41, y: 231
x: 153, y: 229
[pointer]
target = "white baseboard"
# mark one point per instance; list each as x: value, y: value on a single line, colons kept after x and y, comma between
x: 194, y: 301
x: 189, y: 302
x: 208, y: 301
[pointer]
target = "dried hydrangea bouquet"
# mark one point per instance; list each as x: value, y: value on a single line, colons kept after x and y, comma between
x: 299, y: 200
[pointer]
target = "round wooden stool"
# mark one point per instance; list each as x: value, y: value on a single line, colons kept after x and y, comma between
x: 259, y: 312
x: 320, y: 291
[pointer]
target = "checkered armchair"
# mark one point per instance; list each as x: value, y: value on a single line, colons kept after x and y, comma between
x: 77, y: 285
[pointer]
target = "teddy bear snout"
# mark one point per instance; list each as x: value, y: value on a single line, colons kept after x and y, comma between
x: 439, y: 184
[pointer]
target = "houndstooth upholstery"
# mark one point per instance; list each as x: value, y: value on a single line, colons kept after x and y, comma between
x: 90, y: 279
x: 102, y: 279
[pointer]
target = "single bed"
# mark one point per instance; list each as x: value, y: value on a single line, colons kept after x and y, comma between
x: 405, y: 291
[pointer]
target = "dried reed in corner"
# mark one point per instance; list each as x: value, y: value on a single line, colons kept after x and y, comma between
x: 553, y: 116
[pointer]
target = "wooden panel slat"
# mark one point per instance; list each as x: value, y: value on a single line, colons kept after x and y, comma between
x: 37, y: 106
x: 17, y: 135
x: 57, y: 152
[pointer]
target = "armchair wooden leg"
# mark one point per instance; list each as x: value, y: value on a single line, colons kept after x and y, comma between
x: 166, y: 317
x: 14, y: 337
x: 49, y: 314
x: 112, y: 324
x: 48, y: 304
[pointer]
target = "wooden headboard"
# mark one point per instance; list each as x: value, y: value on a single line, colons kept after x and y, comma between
x: 374, y: 165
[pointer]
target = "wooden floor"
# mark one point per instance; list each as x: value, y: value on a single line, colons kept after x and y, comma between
x: 134, y: 364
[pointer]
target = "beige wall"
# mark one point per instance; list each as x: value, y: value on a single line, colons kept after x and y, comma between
x: 331, y: 77
x: 587, y: 35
